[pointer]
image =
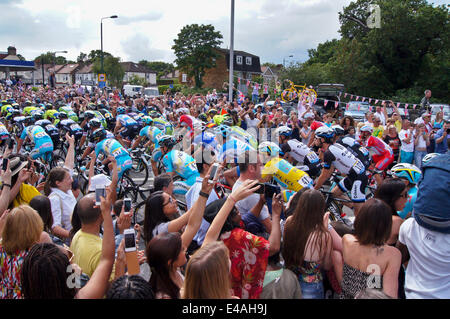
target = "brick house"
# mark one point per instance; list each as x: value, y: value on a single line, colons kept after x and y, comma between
x: 66, y: 74
x: 135, y: 69
x: 246, y: 66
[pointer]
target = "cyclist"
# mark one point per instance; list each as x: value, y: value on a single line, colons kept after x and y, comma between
x: 69, y: 125
x: 92, y: 126
x: 88, y: 116
x: 298, y: 151
x: 410, y: 174
x: 70, y: 113
x: 178, y: 163
x: 126, y: 129
x: 382, y: 157
x: 232, y: 146
x: 336, y: 156
x: 110, y: 146
x: 43, y: 143
x: 164, y: 125
x: 47, y: 125
x: 352, y: 145
x: 4, y: 134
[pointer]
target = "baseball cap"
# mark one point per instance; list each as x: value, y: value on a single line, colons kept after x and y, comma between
x: 99, y: 180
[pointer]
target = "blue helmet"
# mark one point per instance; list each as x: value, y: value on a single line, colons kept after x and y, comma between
x: 408, y: 171
x: 269, y: 148
x: 326, y: 133
x: 120, y: 110
x: 223, y: 129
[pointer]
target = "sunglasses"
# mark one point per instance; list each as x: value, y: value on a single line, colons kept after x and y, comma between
x: 170, y: 201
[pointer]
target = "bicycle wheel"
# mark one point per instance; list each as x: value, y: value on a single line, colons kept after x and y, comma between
x: 127, y: 188
x: 139, y: 213
x: 139, y: 171
x: 56, y: 161
x: 289, y: 95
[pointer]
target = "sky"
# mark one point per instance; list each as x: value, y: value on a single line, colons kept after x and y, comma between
x: 270, y: 29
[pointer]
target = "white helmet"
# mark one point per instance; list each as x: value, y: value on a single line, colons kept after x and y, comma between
x: 366, y: 128
x: 269, y: 148
x: 284, y: 130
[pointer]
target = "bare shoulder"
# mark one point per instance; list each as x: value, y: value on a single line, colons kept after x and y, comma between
x: 349, y: 239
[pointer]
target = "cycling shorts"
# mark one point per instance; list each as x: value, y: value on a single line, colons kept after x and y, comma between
x: 39, y: 151
x: 382, y: 162
x: 356, y: 186
x: 130, y: 132
x: 124, y: 163
x: 182, y: 187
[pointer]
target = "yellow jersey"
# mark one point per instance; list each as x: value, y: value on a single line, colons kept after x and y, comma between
x: 286, y: 175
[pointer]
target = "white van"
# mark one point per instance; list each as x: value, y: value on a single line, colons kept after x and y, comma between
x: 132, y: 90
x: 151, y: 92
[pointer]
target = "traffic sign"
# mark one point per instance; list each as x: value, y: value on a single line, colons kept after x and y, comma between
x: 102, y: 77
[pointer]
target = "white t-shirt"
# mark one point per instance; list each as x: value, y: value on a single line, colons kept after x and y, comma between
x: 251, y: 123
x: 428, y: 271
x: 422, y: 144
x: 406, y: 147
x: 246, y: 205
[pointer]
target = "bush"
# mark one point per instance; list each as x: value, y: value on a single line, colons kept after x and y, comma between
x: 176, y: 88
x: 35, y: 89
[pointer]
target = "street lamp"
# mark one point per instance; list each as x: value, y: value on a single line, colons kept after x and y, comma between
x: 284, y: 59
x: 230, y: 76
x: 101, y: 36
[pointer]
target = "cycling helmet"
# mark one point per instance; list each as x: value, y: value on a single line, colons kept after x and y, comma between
x: 54, y: 116
x: 223, y: 129
x: 269, y: 148
x: 408, y: 171
x: 95, y: 123
x: 27, y: 103
x: 147, y: 120
x: 227, y: 120
x: 98, y: 135
x: 284, y: 130
x: 203, y: 117
x: 37, y: 115
x: 212, y: 112
x: 89, y: 115
x: 28, y: 120
x: 366, y: 128
x: 15, y: 105
x: 48, y: 106
x: 167, y: 141
x: 12, y: 114
x: 121, y: 110
x: 154, y: 114
x: 92, y: 106
x: 62, y: 116
x: 428, y: 157
x: 326, y: 133
x: 339, y: 130
x: 187, y: 121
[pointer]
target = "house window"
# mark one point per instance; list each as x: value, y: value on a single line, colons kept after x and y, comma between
x: 184, y: 77
x: 239, y: 59
x: 248, y: 60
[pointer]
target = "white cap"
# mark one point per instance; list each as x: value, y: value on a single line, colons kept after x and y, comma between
x: 100, y: 180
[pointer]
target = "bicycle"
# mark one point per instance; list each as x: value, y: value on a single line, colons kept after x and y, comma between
x: 140, y: 164
x: 334, y: 206
x: 307, y: 95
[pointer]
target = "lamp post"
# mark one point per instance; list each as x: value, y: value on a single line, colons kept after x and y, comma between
x: 284, y: 60
x: 53, y: 65
x: 101, y: 37
x: 230, y: 79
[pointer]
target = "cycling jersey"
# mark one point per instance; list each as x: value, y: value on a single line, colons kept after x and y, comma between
x: 126, y: 120
x: 208, y: 140
x: 49, y: 114
x: 182, y: 164
x: 356, y: 149
x: 344, y: 161
x: 109, y: 135
x: 72, y: 127
x: 6, y: 109
x: 232, y: 149
x: 383, y: 155
x: 286, y: 175
x: 27, y: 110
x: 304, y: 156
x: 152, y: 133
x: 4, y: 134
x: 110, y: 146
x: 163, y: 125
x: 50, y: 129
x: 247, y: 137
x: 42, y: 141
x: 70, y: 113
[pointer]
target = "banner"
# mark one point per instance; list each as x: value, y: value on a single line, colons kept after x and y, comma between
x: 325, y: 103
x: 336, y: 104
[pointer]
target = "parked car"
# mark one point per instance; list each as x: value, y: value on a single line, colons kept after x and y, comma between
x: 390, y: 110
x: 132, y: 90
x: 151, y: 92
x: 357, y: 110
x: 330, y: 92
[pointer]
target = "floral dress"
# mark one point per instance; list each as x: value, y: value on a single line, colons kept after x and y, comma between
x: 248, y: 254
x: 10, y: 266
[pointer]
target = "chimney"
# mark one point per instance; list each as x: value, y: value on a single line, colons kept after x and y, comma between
x: 12, y: 50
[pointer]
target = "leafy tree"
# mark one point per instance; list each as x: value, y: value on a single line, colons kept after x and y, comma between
x: 50, y: 58
x: 137, y: 80
x: 324, y: 52
x: 82, y: 58
x: 195, y: 50
x: 113, y: 69
x: 97, y: 54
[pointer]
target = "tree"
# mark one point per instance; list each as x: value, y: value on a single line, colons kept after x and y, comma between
x: 82, y: 58
x: 137, y: 80
x: 94, y: 54
x: 50, y: 58
x: 195, y: 50
x: 113, y: 70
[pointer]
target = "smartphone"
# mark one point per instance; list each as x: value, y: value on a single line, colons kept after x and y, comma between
x: 99, y: 191
x: 127, y: 205
x: 260, y: 190
x: 131, y: 252
x: 214, y: 172
x: 270, y: 189
x: 5, y: 164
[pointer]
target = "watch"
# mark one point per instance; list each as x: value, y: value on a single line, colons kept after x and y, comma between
x: 204, y: 194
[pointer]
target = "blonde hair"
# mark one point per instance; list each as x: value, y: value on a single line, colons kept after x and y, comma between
x: 23, y: 228
x: 208, y: 273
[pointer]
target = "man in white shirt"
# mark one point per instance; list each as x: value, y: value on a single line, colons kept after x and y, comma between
x: 250, y: 166
x: 407, y: 139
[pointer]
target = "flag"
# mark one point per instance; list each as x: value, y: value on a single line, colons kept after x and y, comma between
x: 357, y: 98
x: 325, y: 103
x: 248, y: 82
x: 336, y: 104
x: 239, y: 80
x: 370, y: 100
x: 345, y: 95
x: 347, y: 106
x: 370, y: 108
x: 406, y: 106
x: 376, y: 101
x: 398, y: 104
x: 351, y: 96
x: 414, y: 106
x: 363, y: 99
x: 406, y: 109
x: 241, y: 97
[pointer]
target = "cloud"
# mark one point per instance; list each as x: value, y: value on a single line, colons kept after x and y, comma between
x: 138, y: 47
x: 152, y: 16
